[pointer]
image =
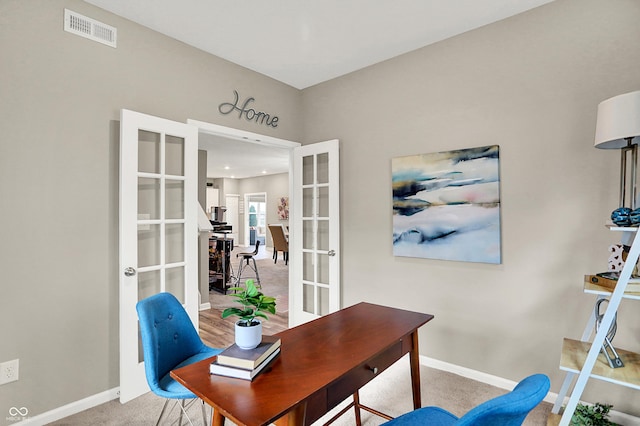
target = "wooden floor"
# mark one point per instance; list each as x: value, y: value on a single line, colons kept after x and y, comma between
x: 218, y: 333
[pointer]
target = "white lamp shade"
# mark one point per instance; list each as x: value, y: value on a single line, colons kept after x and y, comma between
x: 618, y: 118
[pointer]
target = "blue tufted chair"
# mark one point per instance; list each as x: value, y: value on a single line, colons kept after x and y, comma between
x: 169, y: 341
x: 506, y: 410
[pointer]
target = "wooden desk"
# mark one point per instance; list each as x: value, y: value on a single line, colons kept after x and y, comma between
x: 321, y: 364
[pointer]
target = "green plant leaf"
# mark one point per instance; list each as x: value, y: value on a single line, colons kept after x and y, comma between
x: 254, y: 302
x: 596, y: 415
x: 231, y: 311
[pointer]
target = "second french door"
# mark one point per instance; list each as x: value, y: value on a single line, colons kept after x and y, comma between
x: 314, y: 281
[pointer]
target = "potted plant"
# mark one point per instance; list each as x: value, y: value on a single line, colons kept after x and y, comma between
x: 248, y: 328
x: 596, y: 415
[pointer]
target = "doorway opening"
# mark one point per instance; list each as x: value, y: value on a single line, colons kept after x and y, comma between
x: 256, y: 218
x: 256, y: 170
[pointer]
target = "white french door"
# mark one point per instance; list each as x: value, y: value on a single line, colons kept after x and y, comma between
x: 314, y: 246
x: 158, y: 228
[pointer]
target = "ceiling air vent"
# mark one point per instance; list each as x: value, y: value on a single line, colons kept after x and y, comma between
x: 89, y: 28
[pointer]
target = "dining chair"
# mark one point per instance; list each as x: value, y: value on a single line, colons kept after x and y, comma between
x: 507, y: 410
x: 280, y: 242
x: 244, y: 265
x: 169, y: 341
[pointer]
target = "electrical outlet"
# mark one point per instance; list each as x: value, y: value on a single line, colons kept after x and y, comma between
x: 9, y: 371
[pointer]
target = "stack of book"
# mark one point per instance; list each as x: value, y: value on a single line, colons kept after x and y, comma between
x: 246, y: 363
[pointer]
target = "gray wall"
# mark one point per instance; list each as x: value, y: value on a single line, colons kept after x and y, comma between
x: 530, y: 84
x: 60, y: 101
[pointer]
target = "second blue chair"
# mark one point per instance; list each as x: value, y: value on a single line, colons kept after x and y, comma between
x: 169, y: 341
x: 507, y: 410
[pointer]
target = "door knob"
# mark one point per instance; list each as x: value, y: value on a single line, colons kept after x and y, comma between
x: 331, y: 253
x: 129, y: 271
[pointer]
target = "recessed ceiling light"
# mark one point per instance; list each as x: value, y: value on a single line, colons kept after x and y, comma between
x: 264, y: 172
x: 227, y: 167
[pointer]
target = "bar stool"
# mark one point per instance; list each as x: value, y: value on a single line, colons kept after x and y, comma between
x: 244, y: 264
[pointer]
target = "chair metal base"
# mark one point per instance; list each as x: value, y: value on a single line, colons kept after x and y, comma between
x: 244, y: 265
x: 184, y: 406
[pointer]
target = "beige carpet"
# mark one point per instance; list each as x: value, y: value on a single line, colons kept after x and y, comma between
x: 390, y: 393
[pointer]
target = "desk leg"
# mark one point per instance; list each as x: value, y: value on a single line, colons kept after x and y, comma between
x: 217, y: 419
x: 356, y: 407
x: 414, y: 360
x: 295, y: 417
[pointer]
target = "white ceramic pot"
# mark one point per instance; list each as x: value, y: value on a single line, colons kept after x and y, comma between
x: 248, y: 337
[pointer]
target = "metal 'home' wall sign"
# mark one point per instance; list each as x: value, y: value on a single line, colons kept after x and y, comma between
x: 247, y: 113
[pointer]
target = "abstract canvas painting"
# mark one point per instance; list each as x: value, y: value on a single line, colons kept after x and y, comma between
x: 446, y: 205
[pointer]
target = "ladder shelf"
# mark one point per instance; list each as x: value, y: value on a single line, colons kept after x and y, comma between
x: 584, y: 359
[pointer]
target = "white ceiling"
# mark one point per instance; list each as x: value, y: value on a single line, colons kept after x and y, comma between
x: 306, y: 42
x: 238, y: 159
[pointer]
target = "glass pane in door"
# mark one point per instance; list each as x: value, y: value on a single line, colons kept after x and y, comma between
x: 174, y: 154
x: 308, y: 299
x: 148, y: 198
x: 308, y: 273
x: 174, y: 240
x: 322, y: 270
x: 308, y: 170
x: 174, y: 199
x: 323, y: 300
x: 307, y: 234
x: 149, y: 151
x: 307, y: 202
x: 148, y: 245
x: 322, y: 168
x: 148, y: 284
x: 323, y: 201
x: 323, y: 235
x: 174, y: 282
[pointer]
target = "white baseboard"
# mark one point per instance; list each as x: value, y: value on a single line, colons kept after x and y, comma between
x: 72, y: 408
x: 205, y: 306
x: 479, y: 376
x: 502, y: 383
